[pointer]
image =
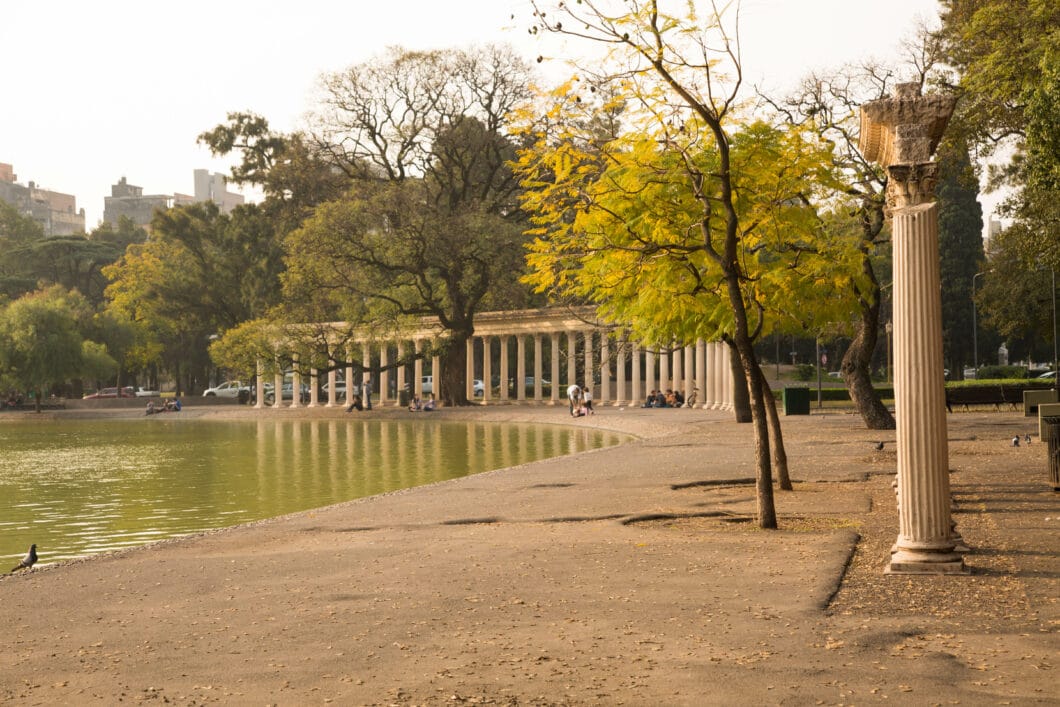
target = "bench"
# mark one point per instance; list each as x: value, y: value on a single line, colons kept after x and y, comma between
x: 996, y: 395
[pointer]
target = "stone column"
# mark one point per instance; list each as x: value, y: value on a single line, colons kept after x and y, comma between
x: 277, y: 386
x: 366, y: 375
x: 350, y: 382
x: 690, y: 364
x: 504, y: 369
x: 620, y: 369
x: 259, y: 387
x: 589, y: 369
x: 469, y: 370
x: 417, y: 369
x: 520, y: 368
x: 314, y: 387
x: 553, y: 393
x: 333, y: 377
x: 637, y: 395
x: 701, y: 372
x: 678, y: 373
x: 727, y: 379
x: 296, y: 383
x: 664, y: 372
x: 901, y: 133
x: 436, y: 375
x: 709, y: 374
x: 539, y: 370
x: 401, y: 369
x: 649, y: 371
x: 487, y: 368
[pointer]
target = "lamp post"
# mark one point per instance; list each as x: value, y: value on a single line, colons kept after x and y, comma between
x: 975, y: 327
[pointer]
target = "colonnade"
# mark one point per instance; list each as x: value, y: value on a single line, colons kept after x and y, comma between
x: 534, y: 355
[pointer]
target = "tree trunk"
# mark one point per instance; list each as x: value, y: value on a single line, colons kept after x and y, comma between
x: 857, y: 360
x: 741, y: 398
x: 453, y: 391
x: 36, y: 400
x: 780, y: 455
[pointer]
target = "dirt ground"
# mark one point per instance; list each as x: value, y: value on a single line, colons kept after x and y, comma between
x: 632, y: 575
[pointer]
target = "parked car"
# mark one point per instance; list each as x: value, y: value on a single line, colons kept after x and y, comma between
x: 427, y: 384
x: 228, y: 389
x: 478, y: 387
x: 1048, y: 375
x: 126, y: 392
x: 142, y: 393
x: 287, y: 392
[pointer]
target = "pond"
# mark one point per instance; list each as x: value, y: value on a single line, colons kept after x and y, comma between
x: 78, y: 487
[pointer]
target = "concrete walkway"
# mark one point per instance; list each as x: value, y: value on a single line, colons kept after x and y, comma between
x: 629, y: 575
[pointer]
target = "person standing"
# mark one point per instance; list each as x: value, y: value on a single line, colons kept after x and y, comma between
x: 367, y: 388
x: 587, y: 400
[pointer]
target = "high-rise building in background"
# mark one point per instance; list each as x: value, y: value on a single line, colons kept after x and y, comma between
x: 57, y: 213
x: 130, y: 201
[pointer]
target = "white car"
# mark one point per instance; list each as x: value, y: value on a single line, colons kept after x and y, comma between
x: 1048, y: 375
x: 228, y: 389
x: 142, y: 393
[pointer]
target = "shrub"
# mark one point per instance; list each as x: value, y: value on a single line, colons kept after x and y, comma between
x: 805, y: 372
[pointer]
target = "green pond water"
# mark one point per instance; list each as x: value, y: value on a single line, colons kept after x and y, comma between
x: 78, y: 487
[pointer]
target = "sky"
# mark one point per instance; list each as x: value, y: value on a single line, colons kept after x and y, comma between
x: 96, y: 91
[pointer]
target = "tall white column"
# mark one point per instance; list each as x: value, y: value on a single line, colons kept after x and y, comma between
x: 716, y: 372
x: 539, y: 370
x: 401, y: 369
x: 333, y: 378
x: 314, y: 387
x: 296, y: 383
x: 901, y: 133
x: 350, y: 382
x: 664, y: 371
x: 436, y: 375
x: 553, y: 394
x: 729, y: 381
x: 487, y: 368
x: 520, y: 367
x: 259, y: 386
x: 277, y: 386
x: 469, y: 372
x: 504, y: 368
x: 417, y: 369
x: 589, y: 369
x: 638, y: 393
x: 690, y: 363
x: 701, y: 372
x: 649, y: 371
x: 678, y: 374
x: 620, y: 369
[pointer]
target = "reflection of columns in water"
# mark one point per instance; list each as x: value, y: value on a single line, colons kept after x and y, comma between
x: 638, y: 396
x: 553, y: 393
x: 489, y: 446
x: 487, y: 368
x: 333, y: 456
x: 504, y: 369
x: 701, y: 372
x: 314, y: 455
x: 406, y: 471
x: 520, y: 367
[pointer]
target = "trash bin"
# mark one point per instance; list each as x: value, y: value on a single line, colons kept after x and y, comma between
x: 403, y: 398
x: 1051, y: 430
x: 796, y: 401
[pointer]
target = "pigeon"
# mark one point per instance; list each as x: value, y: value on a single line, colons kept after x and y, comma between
x: 1016, y: 441
x: 28, y: 561
x: 1027, y: 439
x: 879, y: 446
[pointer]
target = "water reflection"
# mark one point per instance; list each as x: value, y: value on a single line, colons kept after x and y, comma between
x: 81, y: 487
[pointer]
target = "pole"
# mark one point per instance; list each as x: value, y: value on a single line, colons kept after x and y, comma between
x: 1056, y: 373
x: 975, y: 330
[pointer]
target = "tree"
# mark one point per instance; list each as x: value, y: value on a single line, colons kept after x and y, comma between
x: 961, y: 249
x: 698, y: 159
x: 430, y: 224
x: 16, y: 232
x: 42, y: 344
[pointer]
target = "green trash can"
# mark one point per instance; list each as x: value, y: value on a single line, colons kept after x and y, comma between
x: 796, y: 401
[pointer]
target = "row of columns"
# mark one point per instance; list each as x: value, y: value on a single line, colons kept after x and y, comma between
x: 702, y: 368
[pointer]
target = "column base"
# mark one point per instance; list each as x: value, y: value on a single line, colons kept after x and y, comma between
x: 925, y: 562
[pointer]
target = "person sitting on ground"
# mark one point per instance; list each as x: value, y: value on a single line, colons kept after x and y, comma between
x: 416, y: 405
x: 679, y: 399
x: 355, y: 405
x: 150, y: 407
x: 429, y: 405
x: 649, y: 401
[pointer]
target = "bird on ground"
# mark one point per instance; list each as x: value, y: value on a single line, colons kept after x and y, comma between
x: 28, y: 561
x: 1016, y: 441
x: 1027, y: 439
x: 879, y: 446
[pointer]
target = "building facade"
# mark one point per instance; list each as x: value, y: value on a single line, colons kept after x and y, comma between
x: 57, y: 213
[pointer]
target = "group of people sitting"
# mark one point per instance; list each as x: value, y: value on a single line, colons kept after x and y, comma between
x: 168, y: 406
x: 417, y: 405
x: 669, y: 399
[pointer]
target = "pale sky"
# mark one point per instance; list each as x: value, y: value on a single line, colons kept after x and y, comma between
x: 94, y: 91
